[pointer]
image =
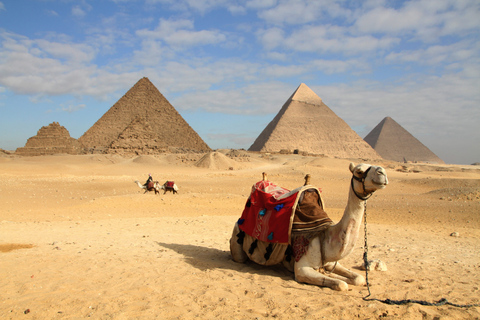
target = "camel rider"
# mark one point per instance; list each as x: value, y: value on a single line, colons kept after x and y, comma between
x: 150, y: 179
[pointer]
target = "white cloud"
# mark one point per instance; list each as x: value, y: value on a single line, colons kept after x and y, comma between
x: 271, y: 38
x: 72, y: 108
x: 201, y: 6
x: 237, y: 10
x: 52, y: 13
x: 254, y: 98
x: 260, y: 4
x: 2, y: 6
x: 324, y: 39
x: 78, y: 12
x: 294, y: 12
x: 437, y: 55
x: 425, y: 20
x: 354, y: 66
x: 181, y: 33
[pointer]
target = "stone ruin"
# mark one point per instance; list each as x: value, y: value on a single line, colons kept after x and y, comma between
x: 51, y: 139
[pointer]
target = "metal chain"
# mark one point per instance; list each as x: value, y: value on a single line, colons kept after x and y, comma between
x: 440, y: 302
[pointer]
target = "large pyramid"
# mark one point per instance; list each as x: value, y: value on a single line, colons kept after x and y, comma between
x: 306, y: 124
x: 393, y: 142
x: 142, y: 122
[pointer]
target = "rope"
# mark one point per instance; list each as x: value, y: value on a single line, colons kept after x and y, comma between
x: 440, y: 302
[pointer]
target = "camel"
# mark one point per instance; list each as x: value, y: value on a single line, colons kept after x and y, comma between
x: 152, y: 186
x: 318, y: 265
x: 169, y: 186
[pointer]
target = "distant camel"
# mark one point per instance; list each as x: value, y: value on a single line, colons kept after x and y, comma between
x: 151, y: 186
x: 169, y: 186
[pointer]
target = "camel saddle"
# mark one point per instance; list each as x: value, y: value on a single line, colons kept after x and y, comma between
x: 169, y: 184
x: 272, y: 215
x: 150, y: 185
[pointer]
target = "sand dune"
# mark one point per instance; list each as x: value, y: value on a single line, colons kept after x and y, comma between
x: 79, y: 239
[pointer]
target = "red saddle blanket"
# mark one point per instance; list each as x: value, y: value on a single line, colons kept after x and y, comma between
x: 272, y: 212
x: 170, y: 184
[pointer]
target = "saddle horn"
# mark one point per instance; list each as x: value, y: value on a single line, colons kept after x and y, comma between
x: 264, y: 174
x: 307, y: 180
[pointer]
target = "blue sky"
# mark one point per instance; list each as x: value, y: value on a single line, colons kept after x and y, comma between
x: 228, y: 66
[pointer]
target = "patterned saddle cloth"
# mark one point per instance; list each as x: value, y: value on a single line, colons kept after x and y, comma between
x: 273, y: 213
x: 274, y: 218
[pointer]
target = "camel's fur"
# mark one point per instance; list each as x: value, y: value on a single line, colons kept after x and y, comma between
x: 166, y: 188
x: 319, y: 264
x: 156, y: 187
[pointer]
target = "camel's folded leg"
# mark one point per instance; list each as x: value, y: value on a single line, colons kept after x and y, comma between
x: 236, y: 248
x: 349, y: 276
x: 307, y: 274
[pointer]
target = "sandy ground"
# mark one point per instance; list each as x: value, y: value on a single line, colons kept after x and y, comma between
x: 79, y: 239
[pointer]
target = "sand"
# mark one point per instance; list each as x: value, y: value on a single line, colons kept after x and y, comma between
x: 79, y: 239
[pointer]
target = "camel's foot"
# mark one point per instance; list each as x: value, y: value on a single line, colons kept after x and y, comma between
x: 309, y: 275
x: 359, y: 281
x: 345, y: 274
x: 340, y: 286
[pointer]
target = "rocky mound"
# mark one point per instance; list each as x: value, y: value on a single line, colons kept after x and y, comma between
x: 51, y: 139
x: 216, y: 161
x: 148, y: 160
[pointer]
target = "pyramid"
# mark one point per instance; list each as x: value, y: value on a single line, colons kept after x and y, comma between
x: 393, y: 142
x: 51, y: 139
x: 142, y: 122
x: 306, y: 124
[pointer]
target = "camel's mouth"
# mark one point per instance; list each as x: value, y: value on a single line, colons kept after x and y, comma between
x: 380, y: 184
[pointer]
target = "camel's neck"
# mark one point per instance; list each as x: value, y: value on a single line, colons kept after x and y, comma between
x: 341, y: 237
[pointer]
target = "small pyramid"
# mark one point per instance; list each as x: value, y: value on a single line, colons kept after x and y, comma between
x: 142, y: 122
x: 51, y: 139
x: 393, y: 142
x: 306, y: 124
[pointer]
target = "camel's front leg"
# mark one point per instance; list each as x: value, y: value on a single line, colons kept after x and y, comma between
x: 306, y: 269
x: 307, y: 274
x: 350, y: 276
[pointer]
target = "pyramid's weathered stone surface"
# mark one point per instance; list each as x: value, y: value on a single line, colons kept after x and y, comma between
x: 393, y: 142
x: 51, y: 139
x: 142, y: 122
x: 306, y: 124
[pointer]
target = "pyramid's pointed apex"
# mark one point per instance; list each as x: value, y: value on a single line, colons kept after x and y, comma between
x: 305, y: 94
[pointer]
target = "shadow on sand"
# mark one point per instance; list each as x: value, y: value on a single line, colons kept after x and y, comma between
x: 205, y: 258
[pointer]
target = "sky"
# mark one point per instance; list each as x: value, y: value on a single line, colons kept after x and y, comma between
x: 228, y: 66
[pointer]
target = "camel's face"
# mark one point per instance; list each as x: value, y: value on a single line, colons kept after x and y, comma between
x: 372, y: 177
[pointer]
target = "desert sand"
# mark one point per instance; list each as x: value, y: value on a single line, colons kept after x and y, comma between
x: 79, y: 239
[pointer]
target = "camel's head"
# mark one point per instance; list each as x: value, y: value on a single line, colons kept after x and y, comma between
x: 367, y: 179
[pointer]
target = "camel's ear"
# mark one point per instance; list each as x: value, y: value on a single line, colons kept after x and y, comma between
x: 352, y: 166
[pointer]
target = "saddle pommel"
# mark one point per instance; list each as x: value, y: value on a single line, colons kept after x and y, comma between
x: 307, y: 180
